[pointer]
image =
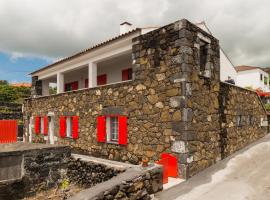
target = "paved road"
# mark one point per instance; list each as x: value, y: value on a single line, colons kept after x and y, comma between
x: 242, y: 176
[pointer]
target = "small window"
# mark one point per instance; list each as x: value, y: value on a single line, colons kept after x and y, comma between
x: 69, y: 127
x: 261, y: 77
x: 239, y: 120
x: 265, y: 80
x: 203, y: 56
x: 112, y: 126
x: 250, y: 120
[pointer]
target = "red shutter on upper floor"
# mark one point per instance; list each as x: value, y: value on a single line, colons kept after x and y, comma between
x: 75, y: 85
x: 86, y: 82
x: 45, y: 120
x: 102, y: 79
x: 101, y: 129
x: 123, y: 136
x: 127, y: 74
x: 62, y: 127
x: 37, y: 125
x: 75, y: 127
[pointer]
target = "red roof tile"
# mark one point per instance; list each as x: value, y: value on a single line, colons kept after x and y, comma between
x: 245, y: 68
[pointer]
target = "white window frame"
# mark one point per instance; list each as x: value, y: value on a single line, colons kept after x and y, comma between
x: 69, y: 127
x: 112, y: 130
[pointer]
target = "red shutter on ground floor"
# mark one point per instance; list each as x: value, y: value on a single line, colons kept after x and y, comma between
x: 62, y: 127
x: 45, y: 120
x: 123, y: 136
x: 101, y: 129
x: 75, y: 127
x: 37, y: 125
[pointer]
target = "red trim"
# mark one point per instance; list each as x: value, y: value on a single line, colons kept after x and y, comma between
x: 122, y: 120
x: 75, y: 127
x: 102, y: 79
x: 37, y: 125
x: 101, y: 129
x: 127, y: 74
x: 62, y: 127
x: 45, y: 120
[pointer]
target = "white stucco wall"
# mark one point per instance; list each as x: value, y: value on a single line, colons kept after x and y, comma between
x: 251, y: 78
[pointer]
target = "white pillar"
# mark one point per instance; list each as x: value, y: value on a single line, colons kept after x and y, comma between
x: 92, y: 75
x: 60, y: 82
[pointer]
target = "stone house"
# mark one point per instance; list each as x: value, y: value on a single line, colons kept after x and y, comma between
x: 143, y: 93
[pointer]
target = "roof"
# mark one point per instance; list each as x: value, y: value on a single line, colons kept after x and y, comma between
x: 245, y: 68
x: 87, y: 50
x: 21, y: 84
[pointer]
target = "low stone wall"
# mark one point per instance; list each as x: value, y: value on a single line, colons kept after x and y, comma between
x: 88, y: 174
x: 134, y: 183
x: 10, y: 111
x: 41, y: 168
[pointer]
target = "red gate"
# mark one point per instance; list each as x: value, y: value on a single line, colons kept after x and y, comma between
x: 170, y: 166
x: 8, y: 131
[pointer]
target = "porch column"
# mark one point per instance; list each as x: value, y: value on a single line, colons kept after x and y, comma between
x: 92, y: 75
x: 60, y: 82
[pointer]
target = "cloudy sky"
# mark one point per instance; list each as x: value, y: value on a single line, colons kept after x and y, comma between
x: 34, y: 33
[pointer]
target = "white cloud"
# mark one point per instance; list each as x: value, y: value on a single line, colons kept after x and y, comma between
x: 53, y: 29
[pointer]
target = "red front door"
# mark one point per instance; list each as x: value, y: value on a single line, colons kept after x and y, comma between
x: 102, y: 79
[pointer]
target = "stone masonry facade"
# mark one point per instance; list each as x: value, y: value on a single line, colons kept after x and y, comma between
x: 174, y: 104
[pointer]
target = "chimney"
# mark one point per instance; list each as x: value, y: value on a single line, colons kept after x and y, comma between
x: 125, y: 27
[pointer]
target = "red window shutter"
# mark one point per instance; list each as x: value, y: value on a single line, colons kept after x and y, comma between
x: 102, y: 79
x: 127, y: 74
x: 101, y: 129
x: 45, y: 120
x: 86, y: 82
x: 75, y: 127
x: 62, y: 127
x: 37, y: 125
x: 122, y: 130
x: 75, y: 85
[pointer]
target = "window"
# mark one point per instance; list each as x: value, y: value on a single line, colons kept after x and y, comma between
x: 261, y: 77
x: 113, y: 134
x: 203, y: 56
x: 127, y: 74
x: 69, y: 127
x: 239, y: 120
x: 112, y: 129
x: 265, y: 80
x: 41, y: 125
x: 71, y: 86
x: 102, y: 79
x: 250, y: 120
x: 86, y: 82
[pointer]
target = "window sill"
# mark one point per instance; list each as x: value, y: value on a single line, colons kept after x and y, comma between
x: 112, y: 142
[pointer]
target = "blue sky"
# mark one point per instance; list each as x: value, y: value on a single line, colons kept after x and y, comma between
x: 16, y: 69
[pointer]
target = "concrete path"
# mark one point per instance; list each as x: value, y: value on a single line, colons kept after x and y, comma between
x: 242, y: 176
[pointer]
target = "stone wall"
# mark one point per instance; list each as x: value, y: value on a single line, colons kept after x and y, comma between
x: 235, y: 102
x: 10, y: 111
x: 41, y: 168
x: 134, y: 183
x: 88, y: 174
